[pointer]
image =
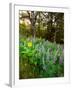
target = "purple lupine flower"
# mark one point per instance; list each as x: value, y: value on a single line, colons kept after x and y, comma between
x: 61, y: 60
x: 50, y: 50
x: 54, y: 61
x: 63, y: 51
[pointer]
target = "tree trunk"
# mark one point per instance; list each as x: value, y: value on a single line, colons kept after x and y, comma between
x: 39, y: 24
x: 33, y: 24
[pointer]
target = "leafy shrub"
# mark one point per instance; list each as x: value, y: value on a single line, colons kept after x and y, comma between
x: 39, y: 58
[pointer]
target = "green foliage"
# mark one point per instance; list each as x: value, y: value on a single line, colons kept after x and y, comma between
x: 40, y: 59
x: 24, y: 30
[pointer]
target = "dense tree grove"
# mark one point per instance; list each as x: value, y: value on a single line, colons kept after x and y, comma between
x: 48, y: 25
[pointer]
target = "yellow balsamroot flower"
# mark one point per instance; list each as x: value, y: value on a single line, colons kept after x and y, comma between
x: 29, y: 44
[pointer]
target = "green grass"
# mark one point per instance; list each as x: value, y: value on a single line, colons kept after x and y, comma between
x: 40, y: 59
